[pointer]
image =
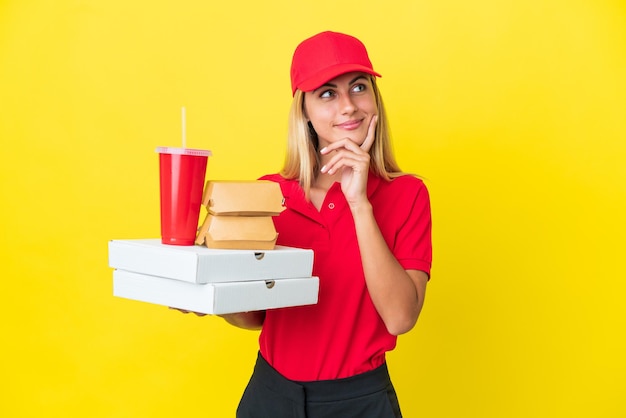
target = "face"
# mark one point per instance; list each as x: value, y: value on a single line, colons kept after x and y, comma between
x: 341, y: 108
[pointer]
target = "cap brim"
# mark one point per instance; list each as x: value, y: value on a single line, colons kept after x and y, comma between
x: 328, y: 74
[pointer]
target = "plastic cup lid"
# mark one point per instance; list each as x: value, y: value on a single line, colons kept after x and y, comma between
x: 184, y: 151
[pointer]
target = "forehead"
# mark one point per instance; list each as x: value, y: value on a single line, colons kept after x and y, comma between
x: 348, y: 78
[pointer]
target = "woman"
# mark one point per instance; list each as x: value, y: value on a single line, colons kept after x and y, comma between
x: 370, y: 228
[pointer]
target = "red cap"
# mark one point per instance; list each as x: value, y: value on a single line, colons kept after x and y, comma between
x: 325, y: 56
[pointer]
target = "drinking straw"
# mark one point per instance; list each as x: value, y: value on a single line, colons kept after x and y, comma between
x: 184, y: 128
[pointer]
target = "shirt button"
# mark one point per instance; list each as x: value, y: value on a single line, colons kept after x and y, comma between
x: 331, y: 206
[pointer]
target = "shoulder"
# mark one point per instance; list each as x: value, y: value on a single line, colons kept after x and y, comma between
x: 273, y: 177
x: 405, y: 184
x: 408, y: 180
x: 288, y: 186
x: 400, y: 195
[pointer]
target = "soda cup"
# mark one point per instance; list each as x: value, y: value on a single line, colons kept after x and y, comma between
x: 182, y: 172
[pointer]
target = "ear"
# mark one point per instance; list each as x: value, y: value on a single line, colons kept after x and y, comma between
x: 304, y: 112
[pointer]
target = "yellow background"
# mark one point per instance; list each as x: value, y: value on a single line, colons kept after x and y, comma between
x: 514, y: 112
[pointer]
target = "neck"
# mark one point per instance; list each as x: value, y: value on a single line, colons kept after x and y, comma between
x: 324, y: 181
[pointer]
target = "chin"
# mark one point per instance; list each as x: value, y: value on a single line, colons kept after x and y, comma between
x: 352, y: 137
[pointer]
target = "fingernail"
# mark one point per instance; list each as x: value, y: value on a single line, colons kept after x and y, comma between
x: 323, y: 169
x: 323, y: 150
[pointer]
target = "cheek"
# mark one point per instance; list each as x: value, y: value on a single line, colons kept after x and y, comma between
x: 311, y: 111
x: 368, y: 104
x: 319, y: 118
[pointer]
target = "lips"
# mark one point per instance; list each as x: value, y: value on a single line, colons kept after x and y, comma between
x: 350, y: 124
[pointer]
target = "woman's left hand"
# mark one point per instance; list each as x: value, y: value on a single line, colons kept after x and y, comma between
x: 186, y: 311
x: 354, y: 161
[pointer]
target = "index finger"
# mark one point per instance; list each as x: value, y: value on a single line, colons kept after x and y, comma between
x: 371, y: 130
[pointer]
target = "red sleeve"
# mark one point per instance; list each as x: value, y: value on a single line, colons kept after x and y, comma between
x: 413, y: 243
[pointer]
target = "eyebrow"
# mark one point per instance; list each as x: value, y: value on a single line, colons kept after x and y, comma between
x: 335, y: 86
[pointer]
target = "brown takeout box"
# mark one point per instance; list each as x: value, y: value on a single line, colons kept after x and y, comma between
x: 238, y: 232
x: 243, y: 198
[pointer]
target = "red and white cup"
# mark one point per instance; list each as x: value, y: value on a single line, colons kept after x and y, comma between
x: 182, y: 177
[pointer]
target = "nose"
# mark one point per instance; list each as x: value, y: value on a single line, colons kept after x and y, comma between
x: 346, y: 104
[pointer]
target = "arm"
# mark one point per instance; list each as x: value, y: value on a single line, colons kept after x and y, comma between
x: 246, y: 320
x: 397, y: 294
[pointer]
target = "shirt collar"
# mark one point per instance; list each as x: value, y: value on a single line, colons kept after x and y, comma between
x: 294, y: 194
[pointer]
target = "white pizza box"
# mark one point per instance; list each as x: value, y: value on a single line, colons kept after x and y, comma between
x: 199, y: 264
x: 216, y: 298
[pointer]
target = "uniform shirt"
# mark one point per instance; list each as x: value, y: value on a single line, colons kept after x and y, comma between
x: 342, y: 335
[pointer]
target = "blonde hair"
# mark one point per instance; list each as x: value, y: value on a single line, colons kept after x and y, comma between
x: 302, y: 157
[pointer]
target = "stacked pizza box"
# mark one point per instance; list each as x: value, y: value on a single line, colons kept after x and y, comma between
x: 237, y: 268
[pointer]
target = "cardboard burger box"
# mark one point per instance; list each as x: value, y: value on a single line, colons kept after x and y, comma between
x: 243, y: 198
x: 238, y: 232
x: 239, y: 214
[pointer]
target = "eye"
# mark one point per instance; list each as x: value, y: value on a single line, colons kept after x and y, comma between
x: 326, y: 94
x: 358, y: 88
